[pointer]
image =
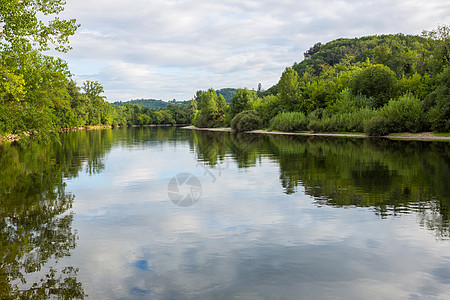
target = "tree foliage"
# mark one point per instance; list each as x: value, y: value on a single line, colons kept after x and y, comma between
x: 212, y: 109
x: 376, y: 81
x: 288, y: 89
x: 242, y: 100
x: 246, y: 121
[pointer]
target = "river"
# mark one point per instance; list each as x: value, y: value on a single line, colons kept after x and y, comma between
x: 168, y: 213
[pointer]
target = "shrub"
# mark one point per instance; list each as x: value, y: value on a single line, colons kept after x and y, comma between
x: 246, y: 121
x: 438, y: 120
x: 267, y: 107
x: 332, y: 123
x: 289, y: 121
x: 404, y: 114
x: 377, y: 126
x: 351, y: 121
x: 316, y: 126
x: 354, y: 121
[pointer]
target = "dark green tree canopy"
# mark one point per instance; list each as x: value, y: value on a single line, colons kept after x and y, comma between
x: 376, y: 81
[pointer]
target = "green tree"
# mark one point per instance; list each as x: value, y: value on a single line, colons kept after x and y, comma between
x: 375, y: 81
x: 92, y: 88
x: 288, y: 89
x: 22, y: 33
x: 212, y: 109
x: 439, y: 100
x: 21, y: 27
x: 32, y: 92
x: 243, y: 100
x: 98, y: 108
x: 440, y: 38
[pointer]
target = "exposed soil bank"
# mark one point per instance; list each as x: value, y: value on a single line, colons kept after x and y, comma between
x: 403, y: 136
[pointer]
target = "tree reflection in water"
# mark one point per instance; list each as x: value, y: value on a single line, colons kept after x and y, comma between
x: 35, y: 214
x: 392, y: 177
x: 35, y: 225
x: 35, y: 209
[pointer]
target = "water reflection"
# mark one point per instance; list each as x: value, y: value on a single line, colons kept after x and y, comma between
x: 35, y: 214
x: 35, y: 209
x: 392, y: 177
x: 240, y: 240
x: 35, y: 222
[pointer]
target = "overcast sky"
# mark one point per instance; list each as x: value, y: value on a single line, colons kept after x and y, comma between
x: 169, y: 49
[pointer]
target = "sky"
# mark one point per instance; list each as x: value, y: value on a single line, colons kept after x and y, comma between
x: 169, y: 49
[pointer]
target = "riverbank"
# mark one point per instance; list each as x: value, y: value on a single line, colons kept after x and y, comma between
x: 423, y: 136
x: 11, y: 138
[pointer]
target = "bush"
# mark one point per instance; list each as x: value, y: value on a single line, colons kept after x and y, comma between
x: 404, y: 114
x: 438, y: 120
x: 348, y: 122
x: 354, y: 121
x: 377, y: 126
x: 267, y: 107
x: 246, y: 121
x: 289, y: 121
x: 316, y: 126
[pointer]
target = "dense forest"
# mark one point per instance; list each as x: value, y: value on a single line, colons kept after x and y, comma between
x: 375, y: 84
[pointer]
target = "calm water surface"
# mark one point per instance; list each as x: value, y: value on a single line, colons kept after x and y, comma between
x: 167, y: 213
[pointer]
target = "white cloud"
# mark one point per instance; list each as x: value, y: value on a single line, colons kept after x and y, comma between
x: 169, y: 49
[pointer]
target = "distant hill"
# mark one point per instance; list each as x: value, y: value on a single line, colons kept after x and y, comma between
x: 397, y: 51
x: 387, y: 49
x: 151, y: 103
x: 227, y: 93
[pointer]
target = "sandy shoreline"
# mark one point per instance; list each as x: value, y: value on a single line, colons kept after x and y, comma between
x: 423, y: 136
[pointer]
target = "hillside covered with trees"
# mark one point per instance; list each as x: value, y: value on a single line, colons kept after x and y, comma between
x: 227, y: 93
x: 151, y: 103
x: 375, y: 84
